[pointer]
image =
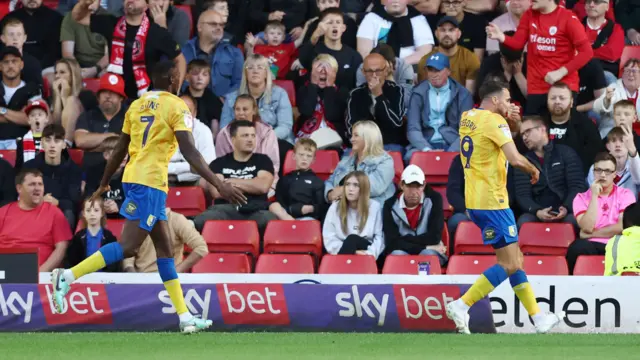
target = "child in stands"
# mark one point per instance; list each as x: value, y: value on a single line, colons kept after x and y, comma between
x: 29, y: 146
x: 279, y: 53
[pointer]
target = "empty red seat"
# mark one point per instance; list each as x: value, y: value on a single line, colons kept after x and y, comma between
x: 326, y: 161
x: 77, y: 155
x: 469, y: 264
x: 288, y: 86
x: 546, y: 238
x: 408, y: 264
x: 348, y: 264
x: 545, y: 265
x: 187, y: 9
x: 589, y: 265
x: 9, y: 156
x: 188, y: 200
x: 300, y: 236
x: 223, y: 263
x: 239, y: 236
x: 446, y: 207
x: 629, y: 52
x: 115, y: 226
x: 285, y: 264
x: 92, y: 84
x: 398, y: 166
x: 435, y: 164
x: 468, y: 239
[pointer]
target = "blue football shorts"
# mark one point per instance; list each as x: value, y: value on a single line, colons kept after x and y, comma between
x: 144, y: 203
x: 498, y: 227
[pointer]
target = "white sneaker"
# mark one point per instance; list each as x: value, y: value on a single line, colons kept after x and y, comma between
x: 460, y: 316
x: 548, y: 321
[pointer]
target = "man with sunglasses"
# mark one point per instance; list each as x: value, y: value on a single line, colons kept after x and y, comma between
x: 598, y: 210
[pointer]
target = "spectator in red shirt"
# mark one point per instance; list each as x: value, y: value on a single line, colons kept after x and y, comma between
x: 279, y: 53
x: 605, y: 35
x: 32, y: 222
x: 557, y: 48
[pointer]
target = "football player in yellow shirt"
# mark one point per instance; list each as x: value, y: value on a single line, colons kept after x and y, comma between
x: 485, y: 147
x: 155, y: 125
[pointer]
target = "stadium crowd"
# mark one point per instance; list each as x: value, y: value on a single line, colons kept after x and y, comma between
x: 280, y: 88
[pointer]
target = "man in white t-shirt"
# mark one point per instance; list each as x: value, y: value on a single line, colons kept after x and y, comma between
x: 400, y: 26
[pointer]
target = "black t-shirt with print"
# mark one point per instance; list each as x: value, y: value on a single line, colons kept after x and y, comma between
x: 159, y: 43
x: 230, y: 168
x: 474, y: 33
x: 591, y: 79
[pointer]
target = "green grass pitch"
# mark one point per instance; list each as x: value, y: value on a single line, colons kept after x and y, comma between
x: 343, y: 346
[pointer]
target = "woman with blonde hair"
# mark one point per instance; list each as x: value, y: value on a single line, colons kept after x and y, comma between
x: 66, y: 103
x: 353, y: 225
x: 368, y: 156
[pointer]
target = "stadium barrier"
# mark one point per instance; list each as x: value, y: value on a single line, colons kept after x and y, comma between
x: 342, y: 303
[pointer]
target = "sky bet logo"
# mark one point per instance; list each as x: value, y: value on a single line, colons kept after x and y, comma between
x: 12, y: 304
x: 354, y: 304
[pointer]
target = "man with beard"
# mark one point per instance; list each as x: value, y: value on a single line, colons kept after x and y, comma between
x: 42, y: 26
x: 136, y: 43
x: 572, y: 128
x: 400, y: 26
x: 472, y: 26
x: 464, y: 63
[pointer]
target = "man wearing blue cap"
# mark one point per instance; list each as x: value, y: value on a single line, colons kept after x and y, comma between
x: 435, y: 109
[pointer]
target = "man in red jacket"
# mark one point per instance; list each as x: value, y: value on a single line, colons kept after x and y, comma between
x: 557, y: 48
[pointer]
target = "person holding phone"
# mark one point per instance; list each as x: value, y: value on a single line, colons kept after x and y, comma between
x: 561, y: 177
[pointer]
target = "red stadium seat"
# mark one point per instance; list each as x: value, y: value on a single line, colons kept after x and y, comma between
x: 469, y: 264
x: 288, y: 86
x: 188, y: 200
x: 51, y: 4
x: 445, y: 237
x: 324, y: 165
x: 408, y: 264
x: 435, y: 164
x: 398, y: 166
x: 301, y: 236
x: 446, y: 207
x: 468, y: 240
x: 46, y: 88
x: 546, y: 238
x: 545, y: 265
x: 223, y: 263
x: 239, y: 236
x: 77, y: 155
x: 284, y: 264
x: 115, y: 226
x: 348, y: 264
x: 9, y: 156
x: 589, y: 265
x: 187, y: 9
x: 629, y: 52
x: 92, y: 84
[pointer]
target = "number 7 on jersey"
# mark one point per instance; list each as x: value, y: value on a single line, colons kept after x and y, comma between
x: 149, y: 120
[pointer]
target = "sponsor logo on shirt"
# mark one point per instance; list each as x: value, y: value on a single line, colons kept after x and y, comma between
x: 544, y: 43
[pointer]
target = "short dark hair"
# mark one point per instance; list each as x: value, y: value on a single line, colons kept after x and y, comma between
x: 615, y: 133
x: 561, y: 85
x: 55, y: 130
x: 631, y: 62
x: 605, y: 156
x: 198, y: 64
x: 330, y: 11
x: 623, y: 104
x: 509, y: 54
x: 491, y: 88
x: 109, y: 143
x: 13, y: 21
x: 22, y: 174
x: 631, y: 216
x: 386, y: 51
x: 534, y: 118
x: 161, y: 75
x: 236, y: 124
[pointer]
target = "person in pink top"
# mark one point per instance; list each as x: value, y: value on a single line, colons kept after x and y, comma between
x: 599, y: 210
x: 246, y: 108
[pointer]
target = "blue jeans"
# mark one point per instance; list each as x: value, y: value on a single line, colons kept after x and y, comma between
x: 442, y: 258
x: 610, y: 77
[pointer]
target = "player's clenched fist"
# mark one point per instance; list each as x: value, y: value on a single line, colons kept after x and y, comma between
x: 535, y: 175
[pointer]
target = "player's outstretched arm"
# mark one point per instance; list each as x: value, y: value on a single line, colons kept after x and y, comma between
x: 194, y: 158
x: 119, y: 152
x: 520, y: 162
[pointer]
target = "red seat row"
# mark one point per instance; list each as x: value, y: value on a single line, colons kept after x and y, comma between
x: 76, y: 155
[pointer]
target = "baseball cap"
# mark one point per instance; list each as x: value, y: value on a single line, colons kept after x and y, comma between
x: 438, y: 61
x: 37, y: 104
x: 413, y: 173
x: 449, y: 19
x: 10, y: 50
x: 112, y: 82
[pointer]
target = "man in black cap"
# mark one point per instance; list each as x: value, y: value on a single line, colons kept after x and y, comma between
x: 464, y: 62
x: 15, y: 94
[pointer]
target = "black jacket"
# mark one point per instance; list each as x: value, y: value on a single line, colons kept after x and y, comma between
x: 561, y: 179
x: 77, y: 250
x: 394, y: 219
x: 7, y: 183
x: 387, y: 113
x: 9, y: 130
x: 299, y: 188
x: 335, y: 101
x: 348, y: 37
x: 62, y: 181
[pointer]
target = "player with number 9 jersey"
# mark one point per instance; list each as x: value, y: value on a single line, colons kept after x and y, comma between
x: 482, y: 134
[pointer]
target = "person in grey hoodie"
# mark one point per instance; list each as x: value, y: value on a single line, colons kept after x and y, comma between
x: 368, y: 155
x: 435, y: 109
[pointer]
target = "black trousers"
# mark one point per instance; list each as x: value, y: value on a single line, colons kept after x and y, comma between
x: 352, y: 244
x: 583, y: 247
